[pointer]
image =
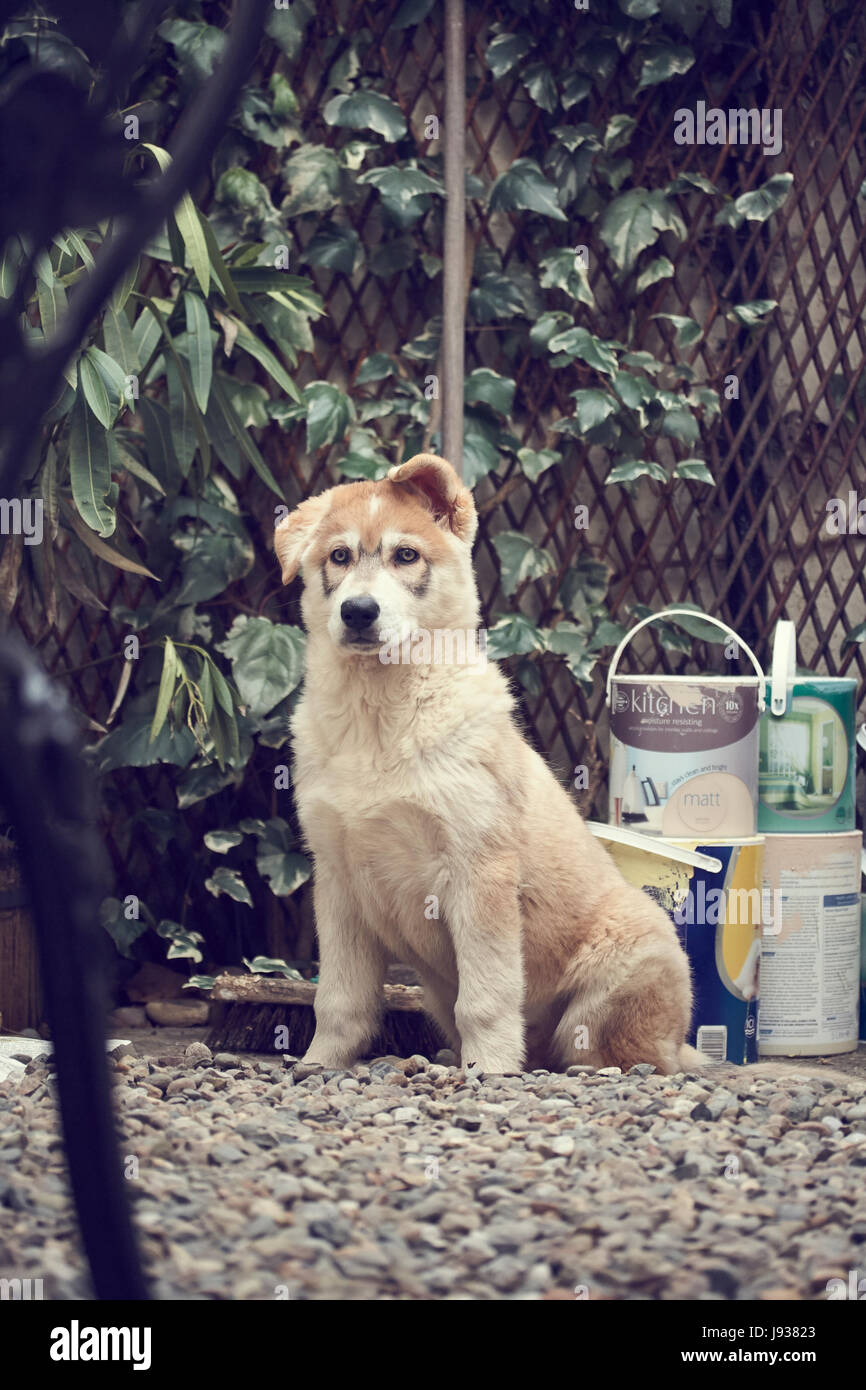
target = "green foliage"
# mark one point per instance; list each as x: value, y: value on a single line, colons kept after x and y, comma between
x: 163, y: 456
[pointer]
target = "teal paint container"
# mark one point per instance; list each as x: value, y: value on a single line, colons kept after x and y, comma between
x: 806, y: 768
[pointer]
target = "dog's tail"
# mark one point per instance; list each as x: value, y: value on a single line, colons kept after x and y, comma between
x: 690, y: 1058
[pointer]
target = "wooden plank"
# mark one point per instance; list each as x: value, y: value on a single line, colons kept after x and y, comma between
x: 20, y: 990
x: 274, y: 989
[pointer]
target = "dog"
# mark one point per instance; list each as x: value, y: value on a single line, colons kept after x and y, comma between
x: 440, y: 839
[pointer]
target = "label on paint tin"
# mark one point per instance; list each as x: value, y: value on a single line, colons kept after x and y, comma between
x: 684, y: 756
x: 810, y: 965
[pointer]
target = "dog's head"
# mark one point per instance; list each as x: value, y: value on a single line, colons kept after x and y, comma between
x: 383, y: 560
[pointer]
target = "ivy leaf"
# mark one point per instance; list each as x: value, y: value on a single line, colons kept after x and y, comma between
x: 681, y: 424
x: 521, y: 559
x: 480, y: 447
x: 757, y: 205
x: 579, y: 342
x: 523, y: 186
x: 857, y: 634
x: 639, y: 9
x: 376, y: 367
x: 366, y: 110
x: 752, y: 312
x: 636, y: 220
x: 688, y: 332
x: 663, y: 60
x: 411, y: 12
x: 495, y: 296
x: 565, y: 270
x: 228, y: 881
x: 513, y: 635
x: 575, y: 88
x: 269, y: 965
x: 313, y: 176
x: 628, y: 470
x: 658, y: 269
x: 221, y: 841
x: 688, y: 182
x: 631, y: 390
x: 618, y: 131
x: 129, y: 745
x: 267, y: 660
x: 329, y: 412
x: 277, y: 862
x: 488, y: 387
x: 335, y: 247
x: 539, y: 83
x: 695, y: 470
x: 593, y: 408
x: 535, y: 462
x: 405, y: 191
x: 546, y: 327
x: 506, y: 51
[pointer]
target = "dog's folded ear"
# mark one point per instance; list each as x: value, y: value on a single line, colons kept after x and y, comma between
x: 295, y: 532
x: 447, y: 497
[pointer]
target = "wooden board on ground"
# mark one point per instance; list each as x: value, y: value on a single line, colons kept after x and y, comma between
x: 275, y: 989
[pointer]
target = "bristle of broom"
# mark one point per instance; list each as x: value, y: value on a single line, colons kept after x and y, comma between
x: 254, y: 1028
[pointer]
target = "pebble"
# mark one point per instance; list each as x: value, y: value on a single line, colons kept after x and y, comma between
x: 403, y: 1178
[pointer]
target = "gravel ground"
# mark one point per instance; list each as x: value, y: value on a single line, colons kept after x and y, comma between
x: 258, y: 1179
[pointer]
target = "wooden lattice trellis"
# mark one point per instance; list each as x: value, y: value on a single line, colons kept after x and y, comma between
x: 752, y: 550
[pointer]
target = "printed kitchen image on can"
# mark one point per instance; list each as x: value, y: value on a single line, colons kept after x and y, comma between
x: 810, y: 963
x: 684, y: 749
x: 806, y: 774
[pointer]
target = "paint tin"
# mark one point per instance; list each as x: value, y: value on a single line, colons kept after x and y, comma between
x: 810, y: 964
x: 806, y: 773
x: 712, y: 892
x: 719, y: 923
x: 684, y: 749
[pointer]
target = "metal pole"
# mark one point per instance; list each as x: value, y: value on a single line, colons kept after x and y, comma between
x: 454, y: 257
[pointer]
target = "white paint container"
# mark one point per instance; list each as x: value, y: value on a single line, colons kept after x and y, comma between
x: 684, y: 749
x: 810, y: 957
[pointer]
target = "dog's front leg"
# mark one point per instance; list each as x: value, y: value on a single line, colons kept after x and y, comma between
x: 352, y: 967
x: 484, y: 917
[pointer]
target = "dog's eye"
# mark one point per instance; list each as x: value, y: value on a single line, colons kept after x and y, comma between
x: 340, y: 555
x: 406, y: 555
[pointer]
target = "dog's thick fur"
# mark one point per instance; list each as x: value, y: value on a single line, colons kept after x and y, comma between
x: 440, y: 838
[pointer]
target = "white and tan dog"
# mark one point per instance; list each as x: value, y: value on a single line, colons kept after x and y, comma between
x: 440, y: 838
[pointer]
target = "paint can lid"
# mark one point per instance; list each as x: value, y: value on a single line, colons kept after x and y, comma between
x: 652, y: 845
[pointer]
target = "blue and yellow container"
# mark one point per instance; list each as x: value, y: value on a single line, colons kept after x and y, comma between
x: 712, y: 892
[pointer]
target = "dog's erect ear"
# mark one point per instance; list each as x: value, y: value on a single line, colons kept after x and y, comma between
x: 449, y: 500
x: 296, y: 531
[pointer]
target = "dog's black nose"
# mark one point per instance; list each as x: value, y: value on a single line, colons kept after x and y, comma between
x: 360, y: 612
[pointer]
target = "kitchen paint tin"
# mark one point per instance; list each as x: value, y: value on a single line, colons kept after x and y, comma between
x: 712, y: 892
x: 810, y: 963
x: 806, y: 772
x: 684, y: 749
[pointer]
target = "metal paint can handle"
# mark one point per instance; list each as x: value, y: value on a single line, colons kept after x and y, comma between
x: 705, y: 618
x: 784, y: 671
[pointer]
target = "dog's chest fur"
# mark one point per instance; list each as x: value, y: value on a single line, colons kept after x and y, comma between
x: 397, y: 787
